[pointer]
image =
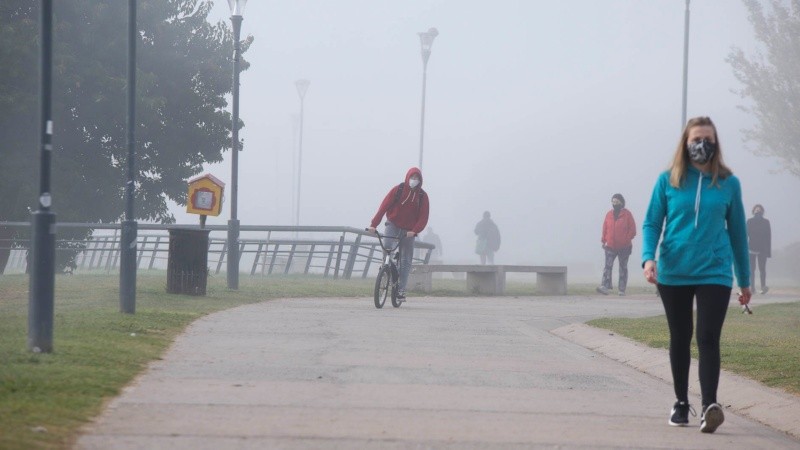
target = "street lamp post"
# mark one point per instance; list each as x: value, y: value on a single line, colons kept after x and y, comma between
x: 302, y: 87
x: 426, y: 41
x: 237, y: 8
x: 43, y: 242
x: 685, y: 63
x: 127, y: 266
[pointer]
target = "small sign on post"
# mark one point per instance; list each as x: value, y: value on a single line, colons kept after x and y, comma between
x: 205, y: 197
x: 187, y: 266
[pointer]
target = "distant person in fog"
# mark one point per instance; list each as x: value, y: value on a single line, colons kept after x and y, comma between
x: 433, y: 238
x: 619, y: 229
x: 488, y: 238
x: 406, y: 207
x: 759, y: 236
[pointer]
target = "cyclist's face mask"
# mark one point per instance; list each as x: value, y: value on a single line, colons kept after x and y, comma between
x: 413, y: 182
x: 701, y: 151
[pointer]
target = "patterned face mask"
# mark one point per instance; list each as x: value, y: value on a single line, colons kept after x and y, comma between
x: 701, y: 152
x: 414, y: 182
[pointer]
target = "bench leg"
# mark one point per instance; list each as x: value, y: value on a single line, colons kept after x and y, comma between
x: 419, y: 281
x: 491, y: 283
x: 551, y: 283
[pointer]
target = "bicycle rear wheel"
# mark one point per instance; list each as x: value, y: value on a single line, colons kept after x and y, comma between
x: 382, y: 286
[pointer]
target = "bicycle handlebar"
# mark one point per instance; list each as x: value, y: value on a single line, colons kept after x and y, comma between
x: 381, y: 237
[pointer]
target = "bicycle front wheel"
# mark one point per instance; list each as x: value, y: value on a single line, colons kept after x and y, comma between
x: 382, y: 286
x: 395, y: 277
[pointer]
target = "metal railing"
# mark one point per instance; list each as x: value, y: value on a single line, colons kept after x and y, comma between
x: 263, y: 249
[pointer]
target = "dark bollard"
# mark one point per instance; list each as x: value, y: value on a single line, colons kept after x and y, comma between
x: 187, y: 267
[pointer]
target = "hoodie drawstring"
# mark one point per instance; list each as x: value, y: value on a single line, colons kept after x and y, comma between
x: 697, y: 199
x: 413, y: 191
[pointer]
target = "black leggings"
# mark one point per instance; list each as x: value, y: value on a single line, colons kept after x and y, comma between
x: 712, y: 305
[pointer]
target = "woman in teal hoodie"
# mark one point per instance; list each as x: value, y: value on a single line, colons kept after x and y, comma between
x: 697, y: 204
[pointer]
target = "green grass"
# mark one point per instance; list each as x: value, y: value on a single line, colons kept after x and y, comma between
x: 764, y: 346
x: 46, y: 398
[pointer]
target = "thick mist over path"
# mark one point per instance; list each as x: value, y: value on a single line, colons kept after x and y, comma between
x: 535, y: 111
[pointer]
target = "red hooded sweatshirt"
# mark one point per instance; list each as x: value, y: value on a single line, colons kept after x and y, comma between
x: 618, y: 233
x: 410, y: 211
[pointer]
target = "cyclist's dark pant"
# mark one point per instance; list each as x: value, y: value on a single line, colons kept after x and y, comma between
x: 712, y: 305
x: 406, y: 253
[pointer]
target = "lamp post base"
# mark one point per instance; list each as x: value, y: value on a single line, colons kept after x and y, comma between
x: 127, y: 267
x: 233, y: 254
x: 42, y: 282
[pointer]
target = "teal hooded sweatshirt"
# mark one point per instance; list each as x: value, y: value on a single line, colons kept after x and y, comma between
x: 705, y: 231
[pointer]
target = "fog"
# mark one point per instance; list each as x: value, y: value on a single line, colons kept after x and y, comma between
x: 536, y: 111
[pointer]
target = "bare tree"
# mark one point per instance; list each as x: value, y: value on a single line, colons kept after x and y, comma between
x: 771, y: 80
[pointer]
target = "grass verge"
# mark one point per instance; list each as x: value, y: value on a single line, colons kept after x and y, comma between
x: 764, y: 346
x: 46, y: 398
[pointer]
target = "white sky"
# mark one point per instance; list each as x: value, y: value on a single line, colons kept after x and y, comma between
x: 537, y: 111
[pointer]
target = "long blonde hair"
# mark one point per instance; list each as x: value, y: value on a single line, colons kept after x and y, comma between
x: 681, y: 161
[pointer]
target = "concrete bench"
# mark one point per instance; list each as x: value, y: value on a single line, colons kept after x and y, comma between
x: 491, y: 279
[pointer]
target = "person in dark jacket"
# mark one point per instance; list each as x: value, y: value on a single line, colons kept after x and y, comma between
x: 619, y: 229
x: 406, y: 207
x: 488, y: 238
x: 759, y: 236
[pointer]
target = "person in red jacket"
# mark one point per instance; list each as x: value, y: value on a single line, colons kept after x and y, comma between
x: 619, y: 229
x: 406, y: 208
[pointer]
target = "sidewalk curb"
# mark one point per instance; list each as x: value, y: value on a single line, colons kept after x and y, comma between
x: 772, y: 407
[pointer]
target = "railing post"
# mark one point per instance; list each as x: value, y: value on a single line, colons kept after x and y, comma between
x: 116, y: 247
x: 272, y: 260
x: 351, y: 258
x: 93, y: 243
x: 369, y: 261
x: 222, y: 256
x: 255, y: 261
x: 153, y: 255
x: 289, y: 258
x: 328, y: 262
x: 141, y: 252
x: 339, y: 257
x: 107, y: 253
x: 310, y: 258
x: 428, y: 256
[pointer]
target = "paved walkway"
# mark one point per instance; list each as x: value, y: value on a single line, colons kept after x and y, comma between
x: 477, y: 373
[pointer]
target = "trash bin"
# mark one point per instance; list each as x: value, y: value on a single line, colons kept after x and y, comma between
x: 187, y: 266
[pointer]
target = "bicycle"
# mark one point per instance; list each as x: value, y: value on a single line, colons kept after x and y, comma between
x: 388, y: 275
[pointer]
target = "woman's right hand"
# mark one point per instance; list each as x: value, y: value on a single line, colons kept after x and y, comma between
x: 371, y: 230
x: 650, y: 272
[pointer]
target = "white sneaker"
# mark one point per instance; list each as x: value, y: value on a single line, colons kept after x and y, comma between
x: 712, y: 418
x: 679, y: 417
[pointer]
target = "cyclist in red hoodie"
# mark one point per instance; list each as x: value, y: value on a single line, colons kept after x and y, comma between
x: 406, y: 208
x: 619, y: 229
